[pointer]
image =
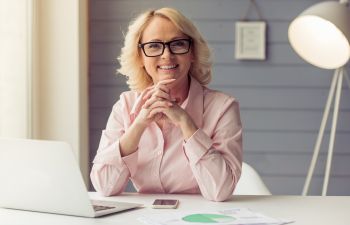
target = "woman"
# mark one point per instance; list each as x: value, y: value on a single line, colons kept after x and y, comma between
x: 170, y: 133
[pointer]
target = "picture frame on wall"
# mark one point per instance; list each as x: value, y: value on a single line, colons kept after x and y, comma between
x: 250, y: 40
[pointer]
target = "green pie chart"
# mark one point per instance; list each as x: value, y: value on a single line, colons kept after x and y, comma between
x: 208, y: 218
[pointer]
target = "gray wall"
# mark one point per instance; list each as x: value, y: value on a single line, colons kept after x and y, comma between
x: 281, y: 99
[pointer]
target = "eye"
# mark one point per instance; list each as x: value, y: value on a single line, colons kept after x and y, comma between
x: 179, y: 43
x: 153, y: 45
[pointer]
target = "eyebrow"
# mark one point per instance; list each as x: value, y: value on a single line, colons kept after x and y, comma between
x: 175, y: 38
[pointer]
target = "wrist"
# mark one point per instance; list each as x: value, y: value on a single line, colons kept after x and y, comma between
x: 188, y: 127
x: 139, y: 124
x: 128, y: 143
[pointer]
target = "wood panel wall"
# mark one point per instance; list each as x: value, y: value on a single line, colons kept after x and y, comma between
x: 281, y: 98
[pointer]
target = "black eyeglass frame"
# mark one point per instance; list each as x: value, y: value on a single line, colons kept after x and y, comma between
x: 141, y: 45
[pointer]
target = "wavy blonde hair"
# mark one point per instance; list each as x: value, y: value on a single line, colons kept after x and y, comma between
x: 130, y: 58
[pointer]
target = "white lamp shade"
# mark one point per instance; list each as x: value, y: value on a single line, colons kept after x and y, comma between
x: 321, y: 35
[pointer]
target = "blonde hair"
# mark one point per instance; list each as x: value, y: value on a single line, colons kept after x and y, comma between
x: 130, y: 58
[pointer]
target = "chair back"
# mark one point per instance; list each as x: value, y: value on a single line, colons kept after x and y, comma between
x: 250, y: 183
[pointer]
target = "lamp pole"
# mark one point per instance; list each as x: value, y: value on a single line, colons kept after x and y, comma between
x: 333, y: 131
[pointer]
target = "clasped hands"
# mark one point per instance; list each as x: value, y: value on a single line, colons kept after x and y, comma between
x: 157, y: 103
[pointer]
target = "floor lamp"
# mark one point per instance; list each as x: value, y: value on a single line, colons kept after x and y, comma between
x: 321, y: 36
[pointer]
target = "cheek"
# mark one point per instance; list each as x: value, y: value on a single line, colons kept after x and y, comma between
x: 147, y: 63
x: 189, y: 61
x: 150, y: 66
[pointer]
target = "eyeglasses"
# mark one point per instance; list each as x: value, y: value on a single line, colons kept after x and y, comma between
x: 156, y: 48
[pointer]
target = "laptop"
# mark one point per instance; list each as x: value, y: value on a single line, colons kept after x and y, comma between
x: 44, y: 176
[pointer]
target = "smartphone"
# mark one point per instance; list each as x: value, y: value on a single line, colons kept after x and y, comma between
x: 165, y: 204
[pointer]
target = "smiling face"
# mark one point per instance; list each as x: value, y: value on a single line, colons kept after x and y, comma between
x: 167, y: 65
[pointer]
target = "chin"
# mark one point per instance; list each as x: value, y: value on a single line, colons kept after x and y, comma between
x: 167, y: 77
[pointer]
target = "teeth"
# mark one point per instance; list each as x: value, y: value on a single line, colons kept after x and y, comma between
x: 167, y: 67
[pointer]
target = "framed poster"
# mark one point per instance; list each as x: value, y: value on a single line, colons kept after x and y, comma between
x: 250, y: 40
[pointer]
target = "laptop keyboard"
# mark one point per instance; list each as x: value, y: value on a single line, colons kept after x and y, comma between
x: 101, y: 207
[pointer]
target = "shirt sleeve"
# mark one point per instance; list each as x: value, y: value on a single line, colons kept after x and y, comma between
x: 216, y: 161
x: 110, y: 172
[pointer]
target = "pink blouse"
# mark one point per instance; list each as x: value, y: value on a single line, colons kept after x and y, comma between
x: 209, y: 162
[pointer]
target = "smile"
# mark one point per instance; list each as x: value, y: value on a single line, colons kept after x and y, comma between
x: 168, y: 67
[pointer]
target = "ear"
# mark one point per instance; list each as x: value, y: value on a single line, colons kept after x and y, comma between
x: 140, y: 59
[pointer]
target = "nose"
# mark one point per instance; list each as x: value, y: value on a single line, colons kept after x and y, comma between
x: 167, y: 53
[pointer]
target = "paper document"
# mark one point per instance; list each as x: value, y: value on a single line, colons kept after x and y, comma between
x: 233, y: 216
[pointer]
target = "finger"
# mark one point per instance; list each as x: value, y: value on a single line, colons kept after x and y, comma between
x: 161, y: 85
x: 150, y: 101
x: 153, y: 103
x: 162, y: 88
x: 165, y: 104
x: 155, y: 111
x: 159, y: 107
x: 144, y: 92
x: 147, y: 92
x: 163, y: 95
x: 158, y: 116
x: 147, y: 89
x: 158, y: 95
x: 154, y: 90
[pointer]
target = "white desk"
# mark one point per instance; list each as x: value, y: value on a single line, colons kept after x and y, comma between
x: 311, y: 210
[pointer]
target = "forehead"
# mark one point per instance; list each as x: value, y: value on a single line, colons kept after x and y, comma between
x: 161, y: 29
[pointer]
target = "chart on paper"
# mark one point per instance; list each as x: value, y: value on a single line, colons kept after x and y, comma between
x: 230, y: 216
x: 208, y: 218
